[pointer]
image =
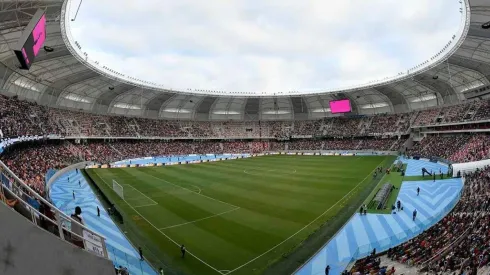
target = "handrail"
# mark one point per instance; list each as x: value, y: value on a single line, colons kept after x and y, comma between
x: 34, y: 211
x: 96, y: 241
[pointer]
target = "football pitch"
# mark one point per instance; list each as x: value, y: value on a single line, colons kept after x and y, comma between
x: 237, y: 216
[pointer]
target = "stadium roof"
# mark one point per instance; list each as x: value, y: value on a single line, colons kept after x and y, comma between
x: 67, y: 78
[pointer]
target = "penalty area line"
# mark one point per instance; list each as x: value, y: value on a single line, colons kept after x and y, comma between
x: 216, y: 215
x: 166, y: 236
x: 145, y: 205
x: 183, y: 188
x: 142, y: 194
x: 303, y: 228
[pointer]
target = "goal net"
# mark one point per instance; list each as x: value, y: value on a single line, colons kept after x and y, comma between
x: 118, y: 189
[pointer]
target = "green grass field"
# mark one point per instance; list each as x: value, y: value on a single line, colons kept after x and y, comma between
x: 395, y: 179
x: 238, y: 216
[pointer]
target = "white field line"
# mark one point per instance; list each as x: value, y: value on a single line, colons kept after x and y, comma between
x: 216, y: 215
x: 145, y: 205
x: 198, y: 188
x: 321, y: 215
x: 333, y: 237
x: 176, y: 185
x: 142, y: 194
x: 166, y: 236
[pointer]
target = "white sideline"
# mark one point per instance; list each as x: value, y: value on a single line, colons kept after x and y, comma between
x: 235, y: 206
x: 170, y: 239
x: 216, y: 215
x: 231, y: 271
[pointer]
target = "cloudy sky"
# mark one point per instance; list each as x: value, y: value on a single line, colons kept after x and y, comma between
x: 263, y: 46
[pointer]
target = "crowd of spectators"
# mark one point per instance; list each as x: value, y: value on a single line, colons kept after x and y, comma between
x: 344, y: 126
x: 477, y: 148
x: 31, y: 162
x: 14, y: 119
x: 459, y: 243
x: 396, y: 123
x: 468, y: 111
x: 384, y: 144
x: 19, y: 118
x: 455, y: 147
x: 370, y: 265
x: 304, y: 145
x: 439, y: 146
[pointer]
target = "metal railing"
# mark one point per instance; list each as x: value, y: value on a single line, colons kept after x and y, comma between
x: 27, y: 202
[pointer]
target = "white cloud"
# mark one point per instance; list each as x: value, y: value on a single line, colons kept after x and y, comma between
x: 263, y: 46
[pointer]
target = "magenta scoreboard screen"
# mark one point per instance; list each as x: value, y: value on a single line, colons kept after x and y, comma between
x: 31, y: 40
x: 340, y: 106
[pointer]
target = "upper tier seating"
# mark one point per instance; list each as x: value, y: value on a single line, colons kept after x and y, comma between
x: 20, y: 118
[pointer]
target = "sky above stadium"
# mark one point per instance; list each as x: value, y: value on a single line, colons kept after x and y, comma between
x: 263, y: 46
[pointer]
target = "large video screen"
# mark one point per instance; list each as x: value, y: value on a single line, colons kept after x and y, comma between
x: 340, y: 106
x: 32, y: 40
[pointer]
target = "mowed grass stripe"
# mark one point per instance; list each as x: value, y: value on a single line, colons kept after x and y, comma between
x: 186, y: 205
x: 311, y: 183
x: 273, y: 206
x: 300, y: 234
x: 294, y: 161
x: 212, y: 182
x: 234, y: 234
x: 276, y: 220
x: 195, y: 264
x: 191, y: 168
x: 240, y: 198
x: 254, y: 187
x: 302, y: 170
x: 232, y: 239
x: 317, y: 186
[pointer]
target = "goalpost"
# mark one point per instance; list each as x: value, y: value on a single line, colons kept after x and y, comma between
x: 118, y: 189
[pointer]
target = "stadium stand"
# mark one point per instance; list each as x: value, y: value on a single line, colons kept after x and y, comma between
x: 32, y: 160
x: 459, y: 242
x: 456, y: 148
x: 20, y: 118
x: 452, y: 126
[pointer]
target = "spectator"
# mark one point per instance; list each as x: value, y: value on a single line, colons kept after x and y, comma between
x: 76, y: 228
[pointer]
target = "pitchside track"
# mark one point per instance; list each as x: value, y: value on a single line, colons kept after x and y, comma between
x: 234, y: 217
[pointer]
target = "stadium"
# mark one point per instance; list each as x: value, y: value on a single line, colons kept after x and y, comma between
x: 106, y: 173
